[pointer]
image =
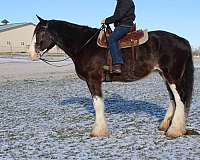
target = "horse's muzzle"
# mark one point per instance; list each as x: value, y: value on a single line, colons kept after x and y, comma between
x: 32, y: 51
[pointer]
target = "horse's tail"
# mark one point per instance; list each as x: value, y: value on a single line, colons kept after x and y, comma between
x: 188, y: 79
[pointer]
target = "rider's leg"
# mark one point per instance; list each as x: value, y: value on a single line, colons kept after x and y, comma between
x: 118, y: 33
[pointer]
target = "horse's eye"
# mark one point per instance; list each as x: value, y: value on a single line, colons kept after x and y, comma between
x: 41, y: 43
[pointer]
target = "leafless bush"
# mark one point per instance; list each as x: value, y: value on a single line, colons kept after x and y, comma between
x: 196, y: 52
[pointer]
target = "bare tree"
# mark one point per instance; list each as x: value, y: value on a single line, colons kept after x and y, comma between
x: 196, y: 52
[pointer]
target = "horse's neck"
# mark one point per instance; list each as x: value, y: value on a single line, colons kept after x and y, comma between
x: 67, y: 45
x: 71, y: 39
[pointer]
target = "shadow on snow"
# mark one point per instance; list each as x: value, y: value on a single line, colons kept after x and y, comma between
x: 116, y: 104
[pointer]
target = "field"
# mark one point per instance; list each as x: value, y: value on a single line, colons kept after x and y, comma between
x: 47, y: 113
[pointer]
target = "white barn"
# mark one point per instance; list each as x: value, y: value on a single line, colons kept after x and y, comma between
x: 16, y: 38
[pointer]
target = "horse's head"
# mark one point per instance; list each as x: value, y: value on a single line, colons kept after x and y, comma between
x: 42, y: 40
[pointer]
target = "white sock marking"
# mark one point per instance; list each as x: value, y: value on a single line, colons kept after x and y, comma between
x: 171, y: 109
x: 178, y: 121
x: 99, y: 109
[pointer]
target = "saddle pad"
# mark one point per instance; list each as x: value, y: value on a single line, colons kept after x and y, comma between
x: 127, y: 41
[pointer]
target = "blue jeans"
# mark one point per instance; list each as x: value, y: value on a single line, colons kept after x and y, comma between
x: 118, y: 33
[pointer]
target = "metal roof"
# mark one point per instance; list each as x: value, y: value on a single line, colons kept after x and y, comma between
x: 7, y: 27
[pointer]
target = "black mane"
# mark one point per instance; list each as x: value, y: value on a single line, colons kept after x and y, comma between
x: 69, y: 25
x: 73, y: 34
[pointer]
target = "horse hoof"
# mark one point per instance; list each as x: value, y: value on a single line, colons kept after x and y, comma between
x: 174, y: 133
x: 100, y: 133
x: 164, y: 126
x: 191, y: 132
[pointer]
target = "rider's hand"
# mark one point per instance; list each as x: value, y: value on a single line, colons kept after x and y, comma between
x: 103, y: 21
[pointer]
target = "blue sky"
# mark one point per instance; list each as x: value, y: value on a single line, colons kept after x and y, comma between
x: 178, y: 16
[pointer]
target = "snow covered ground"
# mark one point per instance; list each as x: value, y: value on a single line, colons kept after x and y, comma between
x: 48, y: 114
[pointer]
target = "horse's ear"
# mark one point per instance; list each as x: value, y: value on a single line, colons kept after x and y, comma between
x: 40, y: 19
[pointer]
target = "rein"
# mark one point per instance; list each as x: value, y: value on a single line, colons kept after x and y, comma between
x: 88, y: 41
x: 84, y: 45
x: 50, y: 62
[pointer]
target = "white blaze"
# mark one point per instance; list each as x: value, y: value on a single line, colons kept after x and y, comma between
x: 32, y: 53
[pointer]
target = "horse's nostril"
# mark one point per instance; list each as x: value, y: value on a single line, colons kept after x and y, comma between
x: 37, y: 48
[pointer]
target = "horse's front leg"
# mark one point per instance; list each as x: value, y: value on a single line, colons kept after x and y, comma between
x: 100, y: 128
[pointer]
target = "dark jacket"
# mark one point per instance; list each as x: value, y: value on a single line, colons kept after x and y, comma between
x: 124, y: 13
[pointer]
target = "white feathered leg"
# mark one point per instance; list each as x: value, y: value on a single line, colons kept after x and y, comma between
x: 100, y: 128
x: 168, y: 117
x: 177, y: 127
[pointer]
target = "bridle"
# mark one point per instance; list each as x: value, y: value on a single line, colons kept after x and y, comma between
x: 49, y: 62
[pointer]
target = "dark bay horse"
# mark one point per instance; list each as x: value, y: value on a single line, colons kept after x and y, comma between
x: 165, y: 52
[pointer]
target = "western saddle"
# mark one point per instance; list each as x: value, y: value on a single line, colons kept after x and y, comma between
x: 132, y: 39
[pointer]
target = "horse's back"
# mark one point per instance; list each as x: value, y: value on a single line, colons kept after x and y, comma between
x: 170, y: 47
x: 173, y: 55
x: 162, y: 50
x: 170, y: 40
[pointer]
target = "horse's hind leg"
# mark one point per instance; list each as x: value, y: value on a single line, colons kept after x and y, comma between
x: 178, y: 70
x: 174, y: 121
x: 170, y: 112
x: 100, y: 128
x: 181, y: 84
x: 177, y: 127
